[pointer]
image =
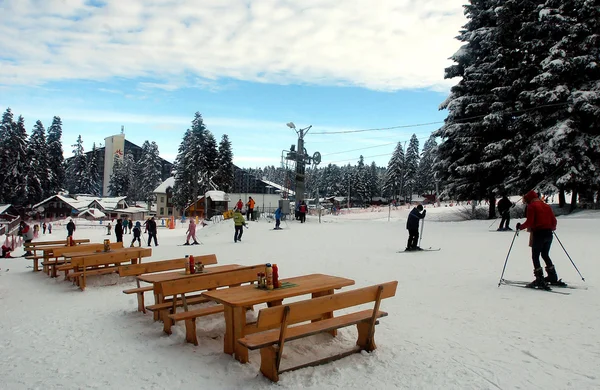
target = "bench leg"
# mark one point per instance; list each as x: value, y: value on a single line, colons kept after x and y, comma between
x: 268, y: 360
x: 363, y: 337
x: 140, y: 299
x: 167, y: 322
x: 325, y: 316
x: 190, y: 331
x: 36, y: 266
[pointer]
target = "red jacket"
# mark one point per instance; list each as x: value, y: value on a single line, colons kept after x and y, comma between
x: 539, y: 217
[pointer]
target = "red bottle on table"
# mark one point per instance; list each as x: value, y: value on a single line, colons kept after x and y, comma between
x: 275, y: 276
x: 192, y: 265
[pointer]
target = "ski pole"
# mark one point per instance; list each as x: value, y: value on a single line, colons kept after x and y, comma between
x: 421, y: 235
x: 567, y: 253
x: 493, y: 222
x: 508, y: 254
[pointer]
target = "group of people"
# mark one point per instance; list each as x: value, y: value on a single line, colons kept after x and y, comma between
x: 540, y: 222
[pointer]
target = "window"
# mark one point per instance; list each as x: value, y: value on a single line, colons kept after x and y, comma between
x: 162, y: 199
x: 162, y: 211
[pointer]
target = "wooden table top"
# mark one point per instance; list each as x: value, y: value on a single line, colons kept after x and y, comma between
x: 174, y: 275
x: 249, y: 295
x: 135, y: 250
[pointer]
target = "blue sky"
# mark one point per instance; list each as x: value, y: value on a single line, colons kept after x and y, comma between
x: 248, y: 67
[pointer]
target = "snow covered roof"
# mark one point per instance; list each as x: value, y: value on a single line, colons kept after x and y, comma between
x: 77, y: 204
x: 4, y: 208
x: 93, y: 212
x: 162, y: 188
x: 217, y: 196
x: 279, y: 187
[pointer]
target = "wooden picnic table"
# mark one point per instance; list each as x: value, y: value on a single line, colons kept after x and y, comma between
x: 42, y: 245
x: 237, y: 299
x: 135, y: 251
x: 174, y: 275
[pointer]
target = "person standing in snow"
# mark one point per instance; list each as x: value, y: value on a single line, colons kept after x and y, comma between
x: 151, y: 227
x: 542, y: 223
x: 277, y: 218
x: 70, y: 228
x: 412, y: 225
x: 239, y: 205
x: 27, y: 234
x: 125, y: 225
x: 44, y: 228
x: 504, y: 206
x: 49, y: 227
x: 109, y: 227
x: 119, y: 230
x: 239, y: 223
x: 191, y: 233
x: 250, y: 209
x: 303, y: 210
x: 137, y: 232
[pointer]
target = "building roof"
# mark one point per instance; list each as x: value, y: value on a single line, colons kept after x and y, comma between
x: 162, y: 188
x: 4, y: 208
x: 217, y: 196
x: 279, y: 187
x: 93, y: 212
x: 82, y: 202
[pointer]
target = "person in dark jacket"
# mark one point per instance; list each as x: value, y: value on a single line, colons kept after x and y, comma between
x: 151, y: 226
x: 70, y: 228
x: 137, y: 232
x: 542, y: 223
x: 412, y: 225
x: 119, y: 230
x: 504, y: 206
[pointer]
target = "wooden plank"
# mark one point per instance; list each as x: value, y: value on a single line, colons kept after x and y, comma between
x: 154, y: 266
x: 307, y: 309
x: 201, y: 282
x: 138, y: 290
x: 195, y: 313
x: 270, y: 337
x: 39, y: 244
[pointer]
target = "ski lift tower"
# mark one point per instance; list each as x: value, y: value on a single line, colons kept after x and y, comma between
x: 301, y: 158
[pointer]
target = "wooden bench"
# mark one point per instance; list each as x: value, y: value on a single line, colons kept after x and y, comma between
x: 103, y: 263
x: 157, y: 266
x: 271, y: 342
x: 51, y: 255
x: 40, y: 245
x: 87, y: 250
x: 181, y: 287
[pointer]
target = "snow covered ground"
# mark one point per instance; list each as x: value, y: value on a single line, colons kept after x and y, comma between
x: 449, y: 325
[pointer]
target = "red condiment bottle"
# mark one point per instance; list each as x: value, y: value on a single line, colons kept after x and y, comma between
x: 192, y: 265
x: 275, y: 276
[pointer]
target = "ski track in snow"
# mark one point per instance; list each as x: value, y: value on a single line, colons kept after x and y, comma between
x: 449, y: 325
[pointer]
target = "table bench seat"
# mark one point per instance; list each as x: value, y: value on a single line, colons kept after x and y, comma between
x: 190, y: 320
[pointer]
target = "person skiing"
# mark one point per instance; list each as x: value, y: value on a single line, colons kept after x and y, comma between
x: 277, y: 218
x: 70, y: 228
x: 250, y: 209
x: 137, y: 232
x: 239, y: 223
x: 504, y: 206
x: 191, y: 232
x: 412, y: 225
x: 109, y: 227
x: 542, y: 223
x: 119, y: 230
x: 151, y: 226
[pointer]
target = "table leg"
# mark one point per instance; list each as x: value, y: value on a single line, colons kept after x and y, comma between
x: 239, y: 323
x: 228, y: 341
x: 325, y: 315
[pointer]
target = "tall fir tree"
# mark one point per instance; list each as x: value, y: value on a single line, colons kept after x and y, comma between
x: 17, y: 164
x: 6, y: 130
x: 412, y: 166
x: 394, y: 178
x: 182, y: 188
x: 37, y: 168
x: 426, y: 175
x: 150, y: 171
x: 77, y: 169
x: 56, y: 165
x: 224, y: 176
x: 93, y: 182
x: 118, y: 184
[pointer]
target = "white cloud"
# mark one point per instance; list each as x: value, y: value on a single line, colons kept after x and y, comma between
x: 382, y: 45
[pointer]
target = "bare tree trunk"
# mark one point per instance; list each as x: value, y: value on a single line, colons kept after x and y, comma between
x: 561, y: 198
x: 573, y: 201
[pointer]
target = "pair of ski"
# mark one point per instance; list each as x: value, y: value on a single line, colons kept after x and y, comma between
x: 430, y: 249
x: 524, y: 284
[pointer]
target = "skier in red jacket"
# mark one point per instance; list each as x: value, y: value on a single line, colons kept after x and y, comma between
x: 542, y: 222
